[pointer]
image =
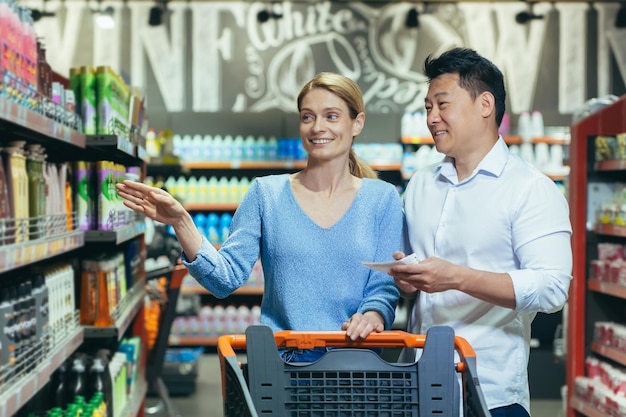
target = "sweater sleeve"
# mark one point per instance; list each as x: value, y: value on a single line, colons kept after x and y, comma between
x: 381, y: 294
x: 222, y: 272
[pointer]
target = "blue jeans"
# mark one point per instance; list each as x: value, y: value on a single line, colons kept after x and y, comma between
x: 513, y: 410
x: 303, y: 355
x: 310, y: 355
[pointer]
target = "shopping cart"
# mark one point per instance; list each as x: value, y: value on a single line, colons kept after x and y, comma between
x: 352, y: 381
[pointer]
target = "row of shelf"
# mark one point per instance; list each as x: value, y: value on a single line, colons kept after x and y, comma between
x: 588, y: 309
x: 284, y: 165
x: 23, y: 390
x: 510, y: 140
x: 24, y: 118
x: 191, y: 289
x: 33, y: 251
x: 68, y: 144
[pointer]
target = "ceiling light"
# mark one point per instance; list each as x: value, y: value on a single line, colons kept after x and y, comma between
x: 265, y: 14
x: 39, y: 14
x: 159, y: 13
x: 525, y: 17
x: 412, y: 18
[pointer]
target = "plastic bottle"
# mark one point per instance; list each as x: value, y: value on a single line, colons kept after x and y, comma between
x: 170, y: 184
x: 177, y: 145
x: 234, y: 194
x: 7, y: 339
x: 213, y: 190
x: 5, y: 206
x: 406, y: 124
x: 272, y: 149
x: 536, y: 124
x: 217, y: 150
x: 223, y: 190
x: 192, y: 190
x: 197, y: 145
x: 203, y: 189
x: 199, y: 219
x: 244, y: 184
x: 212, y: 228
x: 185, y: 148
x: 261, y: 149
x: 238, y: 148
x: 180, y: 191
x: 77, y: 383
x: 97, y: 381
x: 58, y: 385
x: 227, y: 148
x: 250, y: 149
x: 207, y: 148
x: 224, y: 226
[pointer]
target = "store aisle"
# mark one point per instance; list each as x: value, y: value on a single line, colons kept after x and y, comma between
x: 207, y: 400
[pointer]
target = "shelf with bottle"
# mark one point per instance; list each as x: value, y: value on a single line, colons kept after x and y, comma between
x: 510, y: 140
x: 136, y: 399
x: 56, y: 240
x: 598, y: 288
x: 47, y: 358
x: 123, y: 314
x: 21, y: 117
x: 123, y: 233
x: 211, y: 322
x: 586, y: 408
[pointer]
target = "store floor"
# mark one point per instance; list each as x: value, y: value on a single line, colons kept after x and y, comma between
x: 206, y: 401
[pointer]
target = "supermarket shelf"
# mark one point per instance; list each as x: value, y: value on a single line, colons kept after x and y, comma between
x: 117, y: 236
x: 609, y: 352
x: 610, y: 229
x: 244, y: 290
x: 21, y: 116
x: 135, y: 399
x: 192, y: 341
x: 385, y: 166
x: 607, y: 288
x: 23, y: 390
x: 126, y: 310
x: 26, y: 253
x: 585, y: 408
x: 211, y: 206
x: 261, y: 165
x: 142, y: 153
x: 510, y: 140
x: 244, y: 165
x: 614, y: 165
x: 111, y: 141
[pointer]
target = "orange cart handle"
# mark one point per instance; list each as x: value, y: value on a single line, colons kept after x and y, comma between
x: 308, y: 340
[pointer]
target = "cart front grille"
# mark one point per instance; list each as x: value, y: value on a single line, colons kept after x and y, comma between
x: 351, y: 394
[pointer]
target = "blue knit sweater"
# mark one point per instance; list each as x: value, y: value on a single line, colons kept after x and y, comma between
x: 314, y: 279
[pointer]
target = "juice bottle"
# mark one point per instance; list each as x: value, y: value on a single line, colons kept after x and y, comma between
x: 6, y: 213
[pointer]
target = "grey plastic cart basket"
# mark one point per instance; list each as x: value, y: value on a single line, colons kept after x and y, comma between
x: 351, y: 381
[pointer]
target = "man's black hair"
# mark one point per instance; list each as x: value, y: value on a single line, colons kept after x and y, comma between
x: 476, y: 74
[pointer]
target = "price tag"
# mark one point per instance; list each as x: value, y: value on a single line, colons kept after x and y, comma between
x: 22, y: 115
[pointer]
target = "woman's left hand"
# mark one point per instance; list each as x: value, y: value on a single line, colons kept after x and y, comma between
x: 361, y: 325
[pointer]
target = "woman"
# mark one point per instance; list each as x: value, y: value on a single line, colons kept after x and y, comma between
x: 311, y: 229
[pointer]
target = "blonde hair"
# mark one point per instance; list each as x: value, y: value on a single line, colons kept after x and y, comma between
x: 347, y: 90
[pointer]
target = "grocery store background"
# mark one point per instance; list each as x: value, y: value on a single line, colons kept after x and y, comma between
x: 213, y: 68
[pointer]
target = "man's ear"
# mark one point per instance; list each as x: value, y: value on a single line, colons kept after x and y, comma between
x: 488, y: 104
